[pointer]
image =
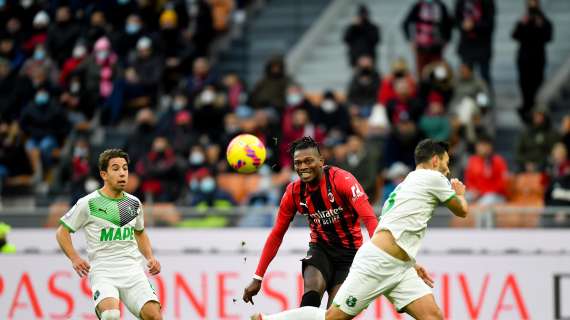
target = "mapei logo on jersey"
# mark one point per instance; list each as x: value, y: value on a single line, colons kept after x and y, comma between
x: 356, y: 192
x: 131, y: 211
x: 117, y: 234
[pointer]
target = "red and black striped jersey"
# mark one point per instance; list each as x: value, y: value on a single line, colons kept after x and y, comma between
x: 333, y: 208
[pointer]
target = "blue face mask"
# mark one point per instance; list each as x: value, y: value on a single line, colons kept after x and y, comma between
x: 39, y: 54
x: 123, y: 2
x: 2, y: 3
x: 41, y: 98
x: 207, y: 185
x: 132, y: 28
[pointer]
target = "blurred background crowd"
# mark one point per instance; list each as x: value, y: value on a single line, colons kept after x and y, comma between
x: 77, y: 77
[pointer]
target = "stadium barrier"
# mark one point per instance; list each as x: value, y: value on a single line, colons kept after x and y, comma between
x: 479, y: 274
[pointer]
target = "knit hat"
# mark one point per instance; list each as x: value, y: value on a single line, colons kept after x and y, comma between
x: 168, y: 17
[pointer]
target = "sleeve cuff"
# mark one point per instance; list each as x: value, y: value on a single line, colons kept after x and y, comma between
x: 66, y: 226
x: 449, y: 199
x: 256, y: 277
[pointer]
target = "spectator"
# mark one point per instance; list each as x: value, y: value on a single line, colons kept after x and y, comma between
x: 565, y: 131
x: 395, y: 175
x: 533, y: 31
x: 10, y: 52
x: 296, y: 99
x: 62, y: 35
x: 74, y: 99
x: 201, y: 77
x: 536, y: 142
x: 361, y: 37
x: 45, y: 124
x: 142, y: 75
x: 183, y: 137
x: 434, y: 123
x: 160, y: 172
x: 206, y: 194
x: 82, y: 178
x: 126, y: 38
x: 476, y: 22
x: 403, y: 103
x: 333, y: 116
x: 557, y: 198
x: 97, y: 28
x: 364, y: 86
x: 14, y: 162
x: 177, y: 51
x: 486, y: 175
x: 235, y: 90
x: 437, y: 78
x: 271, y: 89
x: 203, y: 24
x: 7, y: 87
x: 299, y: 127
x: 98, y: 73
x: 38, y: 33
x: 41, y: 60
x: 559, y: 164
x: 469, y: 86
x: 362, y: 162
x: 401, y: 142
x: 140, y: 140
x: 78, y: 54
x: 209, y: 110
x: 399, y: 70
x: 427, y: 27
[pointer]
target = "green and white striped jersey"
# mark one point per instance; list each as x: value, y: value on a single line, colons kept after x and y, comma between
x: 109, y: 226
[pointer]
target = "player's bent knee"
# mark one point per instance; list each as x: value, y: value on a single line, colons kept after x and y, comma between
x: 151, y: 311
x: 334, y: 313
x: 112, y: 314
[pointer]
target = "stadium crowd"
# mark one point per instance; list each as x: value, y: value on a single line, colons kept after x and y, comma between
x: 71, y: 68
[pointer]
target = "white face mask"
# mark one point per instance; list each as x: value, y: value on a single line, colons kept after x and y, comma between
x: 79, y: 52
x: 102, y: 55
x: 294, y: 99
x: 207, y: 96
x: 329, y: 106
x: 196, y: 158
x: 207, y: 185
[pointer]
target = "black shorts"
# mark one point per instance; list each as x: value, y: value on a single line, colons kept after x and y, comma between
x: 333, y: 263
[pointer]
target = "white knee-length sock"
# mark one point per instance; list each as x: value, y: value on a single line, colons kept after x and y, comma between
x: 304, y: 313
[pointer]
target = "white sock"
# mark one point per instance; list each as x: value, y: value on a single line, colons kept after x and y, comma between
x: 304, y: 313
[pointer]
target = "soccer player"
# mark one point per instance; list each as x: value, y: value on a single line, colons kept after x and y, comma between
x: 333, y: 202
x: 384, y: 265
x: 114, y: 228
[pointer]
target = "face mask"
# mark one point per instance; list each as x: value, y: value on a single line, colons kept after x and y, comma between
x: 399, y: 74
x: 39, y: 54
x: 482, y: 99
x: 294, y: 99
x: 196, y: 158
x: 194, y: 185
x: 122, y: 2
x: 2, y: 3
x: 207, y: 185
x: 178, y: 105
x: 80, y: 152
x: 74, y: 87
x: 207, y: 97
x: 26, y: 3
x: 132, y: 28
x: 102, y: 55
x: 329, y: 106
x: 41, y: 98
x: 146, y: 127
x: 78, y: 52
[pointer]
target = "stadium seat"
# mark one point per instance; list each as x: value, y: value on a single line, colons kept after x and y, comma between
x: 238, y: 185
x: 524, y: 190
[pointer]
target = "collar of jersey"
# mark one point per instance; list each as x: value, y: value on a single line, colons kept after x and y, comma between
x: 109, y: 198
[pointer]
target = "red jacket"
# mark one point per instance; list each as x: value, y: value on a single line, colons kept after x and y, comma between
x: 486, y: 176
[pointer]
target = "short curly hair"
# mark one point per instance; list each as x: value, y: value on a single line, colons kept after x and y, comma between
x: 303, y: 143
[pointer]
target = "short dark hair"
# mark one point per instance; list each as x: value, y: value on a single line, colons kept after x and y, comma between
x: 303, y: 143
x: 428, y: 148
x: 109, y: 154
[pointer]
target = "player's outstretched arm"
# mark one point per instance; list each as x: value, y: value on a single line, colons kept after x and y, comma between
x: 145, y: 248
x: 64, y: 240
x: 457, y: 204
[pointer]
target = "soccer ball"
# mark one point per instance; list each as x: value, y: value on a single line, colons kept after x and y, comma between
x: 245, y: 153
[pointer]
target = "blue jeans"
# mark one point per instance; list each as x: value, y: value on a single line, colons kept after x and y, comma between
x: 45, y: 145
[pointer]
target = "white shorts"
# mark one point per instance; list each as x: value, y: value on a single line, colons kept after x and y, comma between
x: 373, y: 273
x: 133, y: 289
